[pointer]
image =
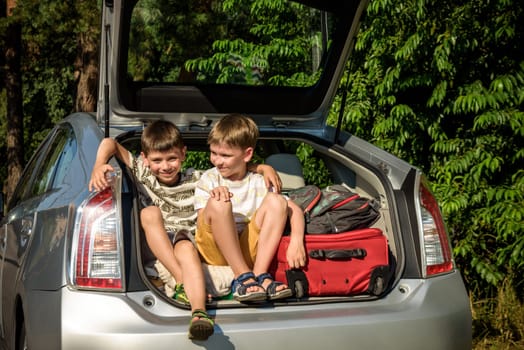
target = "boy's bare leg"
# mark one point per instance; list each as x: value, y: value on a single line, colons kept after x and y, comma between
x: 180, y: 260
x: 271, y: 218
x: 158, y: 240
x: 219, y: 215
x: 194, y: 285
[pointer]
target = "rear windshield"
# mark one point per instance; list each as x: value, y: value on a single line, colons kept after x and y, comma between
x: 254, y: 43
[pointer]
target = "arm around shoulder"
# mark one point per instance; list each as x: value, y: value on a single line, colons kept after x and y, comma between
x: 271, y: 178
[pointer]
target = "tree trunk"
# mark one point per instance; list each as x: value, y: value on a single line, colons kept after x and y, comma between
x: 86, y: 72
x: 13, y: 86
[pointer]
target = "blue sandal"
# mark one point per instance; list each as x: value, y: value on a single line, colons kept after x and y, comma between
x: 240, y: 286
x: 271, y: 290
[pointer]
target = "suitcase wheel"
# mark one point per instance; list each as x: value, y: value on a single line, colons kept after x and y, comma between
x: 297, y: 281
x: 299, y: 289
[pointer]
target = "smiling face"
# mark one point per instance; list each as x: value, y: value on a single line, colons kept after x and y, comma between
x: 165, y: 166
x: 230, y: 161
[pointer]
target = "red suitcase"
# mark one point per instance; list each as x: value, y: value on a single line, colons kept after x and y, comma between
x: 350, y: 263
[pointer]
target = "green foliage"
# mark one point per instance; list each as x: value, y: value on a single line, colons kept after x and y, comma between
x: 441, y: 85
x: 46, y: 60
x: 50, y: 35
x: 314, y: 170
x: 157, y: 57
x: 197, y: 160
x: 267, y: 53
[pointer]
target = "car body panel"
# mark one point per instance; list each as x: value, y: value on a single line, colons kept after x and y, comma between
x: 36, y: 228
x: 408, y: 316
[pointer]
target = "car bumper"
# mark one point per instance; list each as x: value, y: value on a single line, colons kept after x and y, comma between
x: 417, y: 314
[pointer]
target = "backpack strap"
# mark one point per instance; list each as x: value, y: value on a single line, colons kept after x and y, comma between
x: 305, y: 197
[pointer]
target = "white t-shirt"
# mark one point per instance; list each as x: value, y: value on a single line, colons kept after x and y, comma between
x: 248, y: 194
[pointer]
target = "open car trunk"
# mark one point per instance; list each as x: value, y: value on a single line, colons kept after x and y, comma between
x: 339, y: 167
x: 280, y: 64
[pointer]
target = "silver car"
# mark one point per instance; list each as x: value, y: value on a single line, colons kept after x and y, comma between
x: 75, y: 270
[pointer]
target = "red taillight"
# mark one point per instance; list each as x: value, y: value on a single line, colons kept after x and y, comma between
x: 97, y: 257
x: 437, y: 249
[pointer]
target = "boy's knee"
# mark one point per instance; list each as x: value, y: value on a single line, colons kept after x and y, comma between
x: 276, y: 201
x: 185, y: 251
x: 184, y: 245
x: 215, y: 207
x: 150, y: 214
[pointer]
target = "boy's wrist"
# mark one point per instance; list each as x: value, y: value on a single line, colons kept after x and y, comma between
x: 295, y: 236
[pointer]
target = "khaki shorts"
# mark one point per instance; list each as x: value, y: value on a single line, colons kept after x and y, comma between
x: 209, y: 250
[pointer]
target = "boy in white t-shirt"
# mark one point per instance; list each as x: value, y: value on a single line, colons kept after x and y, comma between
x: 168, y: 215
x: 240, y: 222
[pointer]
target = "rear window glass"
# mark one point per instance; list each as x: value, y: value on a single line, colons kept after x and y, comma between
x: 255, y: 43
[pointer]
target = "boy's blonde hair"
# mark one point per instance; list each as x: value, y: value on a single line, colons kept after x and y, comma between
x: 161, y: 136
x: 234, y: 130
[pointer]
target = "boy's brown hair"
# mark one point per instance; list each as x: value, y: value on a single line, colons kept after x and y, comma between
x: 235, y: 130
x: 161, y: 136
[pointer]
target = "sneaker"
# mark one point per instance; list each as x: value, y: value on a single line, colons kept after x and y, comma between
x: 180, y: 294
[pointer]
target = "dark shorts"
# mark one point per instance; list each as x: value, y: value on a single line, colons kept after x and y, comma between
x: 181, y: 235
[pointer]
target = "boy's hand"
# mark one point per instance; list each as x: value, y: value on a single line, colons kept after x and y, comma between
x: 296, y: 254
x: 98, y: 177
x: 221, y: 194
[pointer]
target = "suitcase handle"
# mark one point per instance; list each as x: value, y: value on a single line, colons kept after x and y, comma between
x: 337, y: 254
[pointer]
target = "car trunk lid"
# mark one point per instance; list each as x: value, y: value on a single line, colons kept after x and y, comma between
x: 282, y: 72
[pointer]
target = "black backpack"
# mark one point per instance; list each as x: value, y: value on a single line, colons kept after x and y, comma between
x: 334, y: 209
